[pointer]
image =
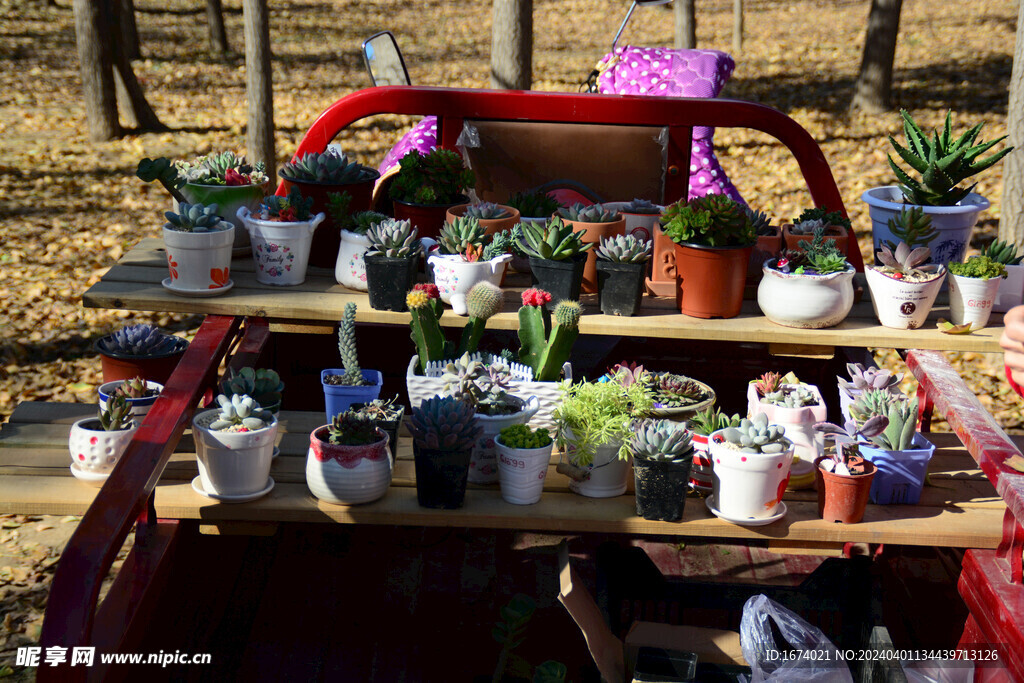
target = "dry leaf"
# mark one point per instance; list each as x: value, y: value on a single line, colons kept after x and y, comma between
x: 1016, y: 462
x: 949, y: 328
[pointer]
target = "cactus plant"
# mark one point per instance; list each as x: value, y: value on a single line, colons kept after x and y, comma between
x: 756, y: 435
x: 624, y: 249
x: 461, y: 233
x: 483, y: 301
x: 330, y: 167
x: 554, y: 240
x: 352, y: 428
x: 438, y: 177
x: 543, y: 346
x: 534, y: 204
x: 195, y: 218
x: 117, y: 416
x: 289, y: 209
x: 392, y: 238
x: 139, y: 340
x: 263, y: 384
x: 659, y: 441
x: 347, y: 349
x: 913, y: 226
x: 900, y: 411
x: 444, y: 423
x: 425, y: 311
x: 486, y: 211
x: 595, y: 213
x: 907, y: 264
x: 714, y: 220
x: 521, y: 436
x: 1002, y: 252
x: 240, y: 414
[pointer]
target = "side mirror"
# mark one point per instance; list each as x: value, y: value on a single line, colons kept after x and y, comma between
x: 384, y: 60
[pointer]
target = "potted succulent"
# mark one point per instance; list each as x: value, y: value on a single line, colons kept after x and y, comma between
x: 793, y: 404
x: 862, y: 379
x: 938, y: 166
x: 523, y: 458
x: 903, y: 289
x: 347, y: 462
x: 140, y: 351
x: 224, y: 179
x: 444, y: 431
x: 97, y: 443
x: 701, y: 426
x: 899, y: 452
x: 751, y: 471
x: 320, y: 175
x: 809, y: 289
x: 140, y: 394
x: 621, y: 267
x: 198, y: 243
x: 843, y: 477
x: 349, y: 269
x: 343, y: 387
x: 973, y: 286
x: 387, y: 416
x: 1011, y: 287
x: 662, y: 456
x: 678, y: 396
x: 262, y: 384
x: 494, y: 218
x: 534, y: 206
x: 427, y: 185
x: 281, y: 231
x: 641, y: 216
x: 593, y: 223
x: 557, y: 258
x: 234, y: 445
x: 391, y: 258
x: 767, y: 246
x: 593, y: 423
x: 831, y: 225
x: 424, y: 302
x: 459, y: 263
x: 713, y: 238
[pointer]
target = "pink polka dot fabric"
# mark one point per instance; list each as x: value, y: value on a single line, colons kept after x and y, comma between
x: 421, y: 137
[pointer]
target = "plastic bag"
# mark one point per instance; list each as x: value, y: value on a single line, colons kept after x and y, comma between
x: 939, y: 671
x: 813, y: 656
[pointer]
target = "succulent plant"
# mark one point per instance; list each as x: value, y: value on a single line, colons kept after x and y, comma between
x: 913, y: 226
x: 820, y: 256
x: 905, y: 263
x: 223, y: 168
x: 347, y: 348
x: 641, y: 206
x: 821, y: 213
x: 534, y: 204
x: 808, y: 227
x: 351, y: 428
x: 942, y: 162
x: 521, y: 436
x: 380, y: 409
x: 791, y: 396
x: 240, y: 414
x: 117, y: 416
x: 262, y: 384
x: 501, y: 243
x: 425, y: 310
x: 139, y: 340
x: 624, y: 249
x: 444, y: 423
x: 595, y: 213
x: 978, y: 266
x: 594, y: 414
x: 1002, y: 252
x: 760, y: 221
x: 864, y: 379
x: 461, y: 233
x: 711, y: 420
x: 393, y: 238
x: 486, y: 211
x: 714, y: 220
x: 756, y: 435
x: 767, y: 383
x: 900, y: 411
x: 482, y: 385
x: 338, y: 204
x: 161, y: 169
x: 289, y: 209
x: 196, y: 218
x: 554, y: 241
x: 330, y: 167
x: 364, y: 220
x: 438, y: 177
x: 659, y: 440
x: 136, y: 387
x: 544, y: 352
x: 844, y: 458
x: 676, y: 391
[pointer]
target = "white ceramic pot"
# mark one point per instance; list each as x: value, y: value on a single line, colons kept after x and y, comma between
x: 199, y: 260
x: 95, y: 451
x: 971, y: 299
x: 607, y: 475
x: 347, y: 475
x: 483, y: 467
x: 280, y: 250
x: 900, y: 304
x: 233, y: 463
x: 748, y: 486
x: 639, y: 225
x: 799, y: 422
x: 140, y: 406
x: 350, y: 269
x: 454, y: 277
x: 1011, y: 289
x: 521, y: 472
x: 229, y: 199
x: 953, y: 223
x: 805, y: 301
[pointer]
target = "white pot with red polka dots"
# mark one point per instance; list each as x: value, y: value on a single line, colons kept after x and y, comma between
x: 747, y: 486
x: 95, y: 451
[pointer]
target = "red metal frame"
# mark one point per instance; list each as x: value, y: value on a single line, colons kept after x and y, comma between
x: 453, y: 106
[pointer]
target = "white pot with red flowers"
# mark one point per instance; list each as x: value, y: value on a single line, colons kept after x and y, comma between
x: 348, y: 462
x: 97, y: 443
x: 281, y: 232
x: 198, y: 245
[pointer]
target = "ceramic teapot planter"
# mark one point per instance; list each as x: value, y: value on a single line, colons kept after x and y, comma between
x: 280, y: 249
x: 347, y: 475
x: 454, y: 276
x: 803, y: 300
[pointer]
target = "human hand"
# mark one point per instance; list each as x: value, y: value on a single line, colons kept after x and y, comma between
x: 1012, y: 342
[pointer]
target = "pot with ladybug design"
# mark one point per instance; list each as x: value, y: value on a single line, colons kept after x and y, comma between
x: 748, y: 484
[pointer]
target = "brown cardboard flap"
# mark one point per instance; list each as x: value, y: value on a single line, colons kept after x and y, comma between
x: 712, y: 645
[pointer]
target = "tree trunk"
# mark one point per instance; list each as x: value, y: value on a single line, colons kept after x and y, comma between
x: 134, y: 106
x: 259, y: 137
x: 686, y: 25
x: 737, y: 26
x: 94, y: 62
x: 129, y: 31
x: 512, y: 45
x: 215, y: 24
x: 1011, y: 221
x: 874, y: 83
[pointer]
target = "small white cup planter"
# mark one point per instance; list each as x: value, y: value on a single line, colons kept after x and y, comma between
x: 233, y: 464
x: 280, y: 250
x: 748, y: 486
x: 140, y: 406
x: 900, y: 304
x: 95, y: 451
x: 199, y: 262
x: 229, y: 199
x: 483, y: 467
x: 803, y: 300
x: 350, y: 270
x: 1011, y: 289
x: 971, y: 299
x: 799, y: 422
x: 607, y: 475
x: 522, y: 471
x: 347, y: 475
x: 455, y: 276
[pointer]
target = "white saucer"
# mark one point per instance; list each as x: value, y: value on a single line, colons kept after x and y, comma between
x: 710, y: 502
x: 197, y: 486
x: 91, y: 478
x: 166, y: 282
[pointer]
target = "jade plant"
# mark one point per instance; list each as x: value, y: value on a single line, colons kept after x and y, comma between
x: 534, y: 204
x: 711, y: 420
x: 263, y: 384
x: 624, y: 249
x: 240, y: 414
x: 353, y: 375
x: 554, y: 240
x: 444, y: 423
x: 980, y: 267
x: 913, y: 226
x: 595, y: 213
x: 660, y: 441
x: 899, y: 411
x: 486, y: 211
x: 196, y: 218
x: 714, y: 220
x: 438, y: 177
x: 594, y: 414
x: 521, y: 436
x: 756, y: 435
x: 1003, y: 252
x: 331, y: 168
x: 139, y: 340
x: 392, y: 238
x: 544, y: 346
x: 352, y: 428
x: 291, y: 208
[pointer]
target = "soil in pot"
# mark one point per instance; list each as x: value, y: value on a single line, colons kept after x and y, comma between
x: 561, y: 279
x: 710, y: 280
x: 388, y: 280
x: 842, y: 498
x: 441, y: 477
x: 661, y: 488
x: 620, y: 287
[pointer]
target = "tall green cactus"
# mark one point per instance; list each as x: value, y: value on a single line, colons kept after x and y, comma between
x: 425, y: 312
x: 482, y: 301
x: 543, y: 346
x: 347, y: 346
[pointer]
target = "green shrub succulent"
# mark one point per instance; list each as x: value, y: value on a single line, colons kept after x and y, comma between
x: 521, y: 436
x: 1002, y: 252
x: 554, y: 240
x: 438, y: 177
x: 981, y: 267
x: 714, y: 220
x: 597, y: 414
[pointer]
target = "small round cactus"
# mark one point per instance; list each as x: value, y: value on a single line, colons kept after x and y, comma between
x: 660, y: 440
x: 567, y: 313
x: 444, y: 423
x: 624, y: 249
x: 484, y: 300
x: 756, y: 435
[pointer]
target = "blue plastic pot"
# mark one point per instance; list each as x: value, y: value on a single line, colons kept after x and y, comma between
x: 338, y: 397
x: 900, y: 476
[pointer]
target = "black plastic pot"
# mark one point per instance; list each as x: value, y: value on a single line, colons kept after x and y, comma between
x: 389, y: 427
x: 661, y: 488
x: 441, y: 477
x: 620, y: 287
x: 561, y: 279
x: 388, y: 280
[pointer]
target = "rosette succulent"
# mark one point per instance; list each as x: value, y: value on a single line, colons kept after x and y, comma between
x: 486, y: 211
x: 624, y: 249
x: 240, y: 414
x: 331, y: 167
x: 641, y: 206
x: 595, y: 213
x: 554, y: 240
x: 291, y: 208
x: 444, y: 423
x: 139, y: 340
x: 195, y: 218
x: 352, y: 428
x: 756, y: 435
x: 392, y: 238
x: 659, y: 441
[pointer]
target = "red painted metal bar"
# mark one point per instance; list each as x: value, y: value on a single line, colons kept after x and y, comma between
x: 505, y: 105
x: 997, y: 611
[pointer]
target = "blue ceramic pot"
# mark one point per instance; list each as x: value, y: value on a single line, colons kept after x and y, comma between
x: 338, y: 397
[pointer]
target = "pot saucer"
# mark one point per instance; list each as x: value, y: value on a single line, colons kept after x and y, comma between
x: 166, y: 282
x: 197, y: 486
x: 91, y: 478
x: 710, y: 503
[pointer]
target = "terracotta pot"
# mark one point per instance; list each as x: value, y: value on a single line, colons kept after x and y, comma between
x: 766, y: 248
x: 710, y: 280
x: 843, y: 498
x: 116, y: 366
x: 491, y: 225
x: 426, y: 218
x: 593, y: 233
x: 834, y: 233
x: 327, y: 238
x: 662, y: 281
